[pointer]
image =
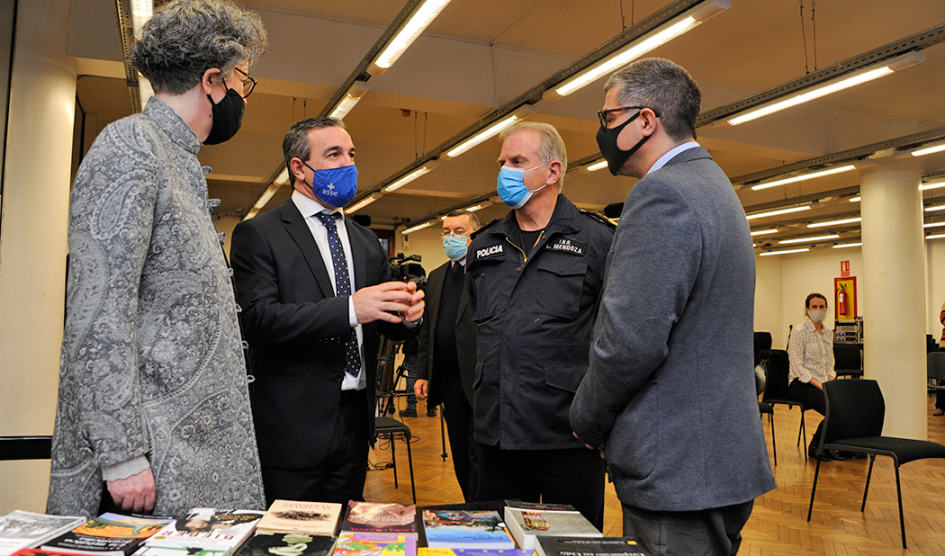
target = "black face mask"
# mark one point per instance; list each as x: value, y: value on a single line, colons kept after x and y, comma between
x: 607, y: 143
x: 227, y: 117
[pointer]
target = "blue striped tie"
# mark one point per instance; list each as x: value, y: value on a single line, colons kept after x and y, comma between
x: 342, y: 287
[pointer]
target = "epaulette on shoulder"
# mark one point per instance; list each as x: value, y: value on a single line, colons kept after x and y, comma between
x: 482, y: 228
x: 600, y: 218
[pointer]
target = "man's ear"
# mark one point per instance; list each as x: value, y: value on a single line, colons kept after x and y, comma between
x: 297, y: 169
x: 206, y: 81
x: 554, y: 173
x: 649, y: 121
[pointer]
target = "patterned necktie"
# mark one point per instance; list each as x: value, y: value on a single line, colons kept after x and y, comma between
x: 342, y: 287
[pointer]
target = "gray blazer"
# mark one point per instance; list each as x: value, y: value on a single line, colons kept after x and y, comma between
x: 151, y: 357
x: 670, y: 389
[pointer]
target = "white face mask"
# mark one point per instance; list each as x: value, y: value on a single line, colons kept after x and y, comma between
x: 817, y: 316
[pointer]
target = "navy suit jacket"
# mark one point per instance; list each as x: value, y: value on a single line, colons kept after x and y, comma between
x: 297, y: 329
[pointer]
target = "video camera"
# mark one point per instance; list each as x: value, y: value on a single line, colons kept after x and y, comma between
x: 408, y: 269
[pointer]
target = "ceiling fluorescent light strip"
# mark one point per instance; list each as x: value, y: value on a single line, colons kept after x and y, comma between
x: 804, y: 177
x: 597, y: 166
x: 764, y: 232
x: 935, y: 184
x: 832, y: 86
x: 362, y: 203
x: 776, y: 212
x: 408, y: 178
x: 808, y: 239
x: 929, y: 150
x: 483, y: 135
x: 855, y: 199
x: 835, y: 222
x: 411, y: 29
x: 638, y: 48
x: 784, y: 252
x: 412, y: 229
x: 933, y: 225
x: 936, y: 236
x: 845, y: 245
x: 934, y: 208
x: 141, y: 11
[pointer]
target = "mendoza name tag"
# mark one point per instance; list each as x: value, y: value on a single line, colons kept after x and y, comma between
x: 566, y: 245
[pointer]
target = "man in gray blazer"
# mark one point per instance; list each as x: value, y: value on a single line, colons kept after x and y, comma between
x: 670, y: 389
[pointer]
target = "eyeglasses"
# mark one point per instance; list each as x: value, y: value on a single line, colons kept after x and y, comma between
x: 249, y: 83
x: 444, y: 235
x: 604, y: 115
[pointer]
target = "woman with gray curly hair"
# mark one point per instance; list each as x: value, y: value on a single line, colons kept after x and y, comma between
x: 153, y: 410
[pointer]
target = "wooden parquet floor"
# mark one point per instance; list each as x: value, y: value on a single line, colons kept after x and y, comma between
x: 778, y: 525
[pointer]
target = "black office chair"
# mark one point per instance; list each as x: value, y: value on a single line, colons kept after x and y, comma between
x: 25, y: 447
x: 936, y: 370
x: 848, y: 360
x: 766, y: 409
x: 854, y: 423
x: 776, y: 366
x: 390, y: 429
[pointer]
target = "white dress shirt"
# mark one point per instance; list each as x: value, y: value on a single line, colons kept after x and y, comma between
x: 309, y: 208
x: 670, y: 154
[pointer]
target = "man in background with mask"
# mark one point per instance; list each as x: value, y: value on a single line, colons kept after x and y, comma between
x: 446, y: 361
x: 316, y: 291
x: 669, y: 397
x: 534, y: 279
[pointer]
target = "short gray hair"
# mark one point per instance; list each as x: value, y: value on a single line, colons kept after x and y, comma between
x: 185, y: 38
x: 473, y: 219
x: 551, y: 145
x: 296, y: 145
x: 664, y: 87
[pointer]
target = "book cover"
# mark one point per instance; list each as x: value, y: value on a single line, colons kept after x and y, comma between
x: 272, y: 543
x: 208, y: 528
x: 472, y: 552
x: 178, y: 551
x: 526, y: 524
x: 371, y: 517
x: 313, y: 518
x: 465, y: 529
x: 21, y: 529
x: 581, y: 546
x: 108, y: 535
x: 364, y: 544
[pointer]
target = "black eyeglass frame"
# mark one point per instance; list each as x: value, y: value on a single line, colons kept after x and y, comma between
x: 251, y: 83
x: 602, y: 114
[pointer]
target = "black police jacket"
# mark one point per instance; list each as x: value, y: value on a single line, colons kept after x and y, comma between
x: 535, y: 316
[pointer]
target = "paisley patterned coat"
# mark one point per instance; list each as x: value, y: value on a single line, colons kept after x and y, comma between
x: 151, y: 357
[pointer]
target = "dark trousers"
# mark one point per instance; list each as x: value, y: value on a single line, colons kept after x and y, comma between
x: 716, y: 531
x: 340, y: 475
x: 573, y: 476
x: 459, y: 426
x: 812, y: 398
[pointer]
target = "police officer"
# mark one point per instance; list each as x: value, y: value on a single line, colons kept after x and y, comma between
x: 534, y: 278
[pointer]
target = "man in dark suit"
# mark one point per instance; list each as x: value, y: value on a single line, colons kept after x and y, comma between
x: 446, y: 360
x: 316, y: 290
x: 670, y: 391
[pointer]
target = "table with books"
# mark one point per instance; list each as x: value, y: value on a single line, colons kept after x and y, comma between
x: 294, y: 528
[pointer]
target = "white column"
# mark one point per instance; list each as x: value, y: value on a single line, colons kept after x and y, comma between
x: 894, y: 289
x: 33, y: 242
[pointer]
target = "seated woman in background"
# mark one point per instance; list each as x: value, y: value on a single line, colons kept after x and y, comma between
x: 810, y: 351
x: 939, y: 397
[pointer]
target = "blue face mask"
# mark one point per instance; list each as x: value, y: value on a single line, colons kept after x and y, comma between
x: 335, y: 186
x: 511, y: 186
x: 454, y: 246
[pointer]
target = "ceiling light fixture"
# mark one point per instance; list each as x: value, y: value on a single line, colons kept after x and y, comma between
x: 349, y: 100
x: 418, y: 21
x: 845, y: 81
x: 362, y: 203
x: 933, y: 225
x: 808, y: 239
x: 835, y: 222
x: 597, y: 166
x: 936, y: 236
x: 784, y: 252
x: 483, y: 135
x: 141, y: 11
x: 936, y: 184
x: 410, y: 177
x: 929, y: 150
x: 934, y: 208
x: 855, y: 199
x: 776, y: 212
x: 412, y: 229
x: 804, y: 177
x: 764, y: 232
x: 845, y: 245
x: 661, y: 35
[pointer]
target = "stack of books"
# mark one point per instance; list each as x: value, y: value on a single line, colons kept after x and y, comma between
x: 204, y: 532
x: 20, y: 529
x: 529, y: 521
x: 293, y: 528
x: 109, y: 534
x: 372, y: 529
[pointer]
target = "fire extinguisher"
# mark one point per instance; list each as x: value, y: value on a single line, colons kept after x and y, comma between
x: 842, y: 302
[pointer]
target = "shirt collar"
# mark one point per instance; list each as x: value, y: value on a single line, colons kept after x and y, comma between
x: 310, y: 207
x: 661, y: 161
